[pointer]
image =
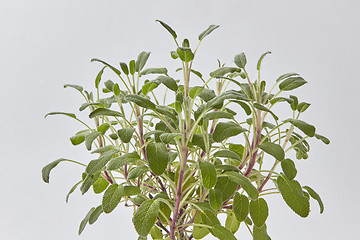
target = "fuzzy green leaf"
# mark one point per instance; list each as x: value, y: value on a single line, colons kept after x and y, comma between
x: 124, y: 68
x: 262, y: 108
x: 259, y: 233
x: 291, y: 83
x: 224, y: 130
x: 315, y: 196
x: 306, y: 128
x: 132, y: 67
x: 95, y: 214
x: 100, y: 185
x: 244, y: 106
x: 145, y: 217
x: 61, y: 113
x: 89, y: 139
x: 260, y: 60
x: 199, y: 232
x: 240, y: 60
x: 288, y: 167
x: 208, y: 174
x: 117, y: 71
x: 322, y: 138
x: 222, y: 233
x: 141, y: 101
x: 223, y: 71
x: 119, y: 162
x: 207, y: 94
x: 240, y: 206
x: 168, y: 82
x: 154, y: 71
x: 217, y: 114
x: 149, y: 87
x: 85, y: 221
x: 231, y: 223
x: 104, y: 112
x: 112, y: 197
x: 158, y: 157
x: 227, y: 154
x: 286, y: 75
x: 77, y: 87
x: 137, y: 172
x: 215, y: 198
x: 244, y: 182
x: 185, y: 54
x: 273, y: 149
x: 125, y: 134
x: 141, y: 61
x: 207, y: 31
x: 259, y: 211
x: 47, y: 169
x: 168, y: 28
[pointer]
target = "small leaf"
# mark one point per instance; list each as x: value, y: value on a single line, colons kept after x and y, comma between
x: 119, y: 162
x: 315, y: 196
x: 259, y: 233
x: 154, y: 71
x: 137, y: 172
x: 293, y: 195
x: 61, y: 113
x: 148, y: 87
x: 231, y: 223
x: 240, y: 206
x: 156, y: 233
x: 47, y: 169
x: 167, y: 27
x: 169, y: 138
x: 286, y: 75
x: 295, y: 103
x: 185, y: 54
x: 273, y: 149
x: 208, y: 174
x: 244, y: 182
x: 131, y: 191
x: 77, y: 139
x: 89, y: 139
x: 199, y: 232
x: 95, y: 214
x: 98, y: 164
x: 224, y: 130
x: 100, y: 185
x: 222, y: 71
x: 288, y: 167
x: 141, y: 101
x: 306, y: 128
x: 222, y: 233
x: 207, y: 31
x: 141, y: 61
x: 117, y: 71
x: 77, y: 87
x: 322, y: 138
x: 237, y: 148
x: 207, y: 94
x: 132, y: 67
x: 124, y: 68
x: 85, y: 105
x: 291, y: 83
x: 195, y: 91
x: 125, y: 134
x: 89, y: 180
x: 104, y: 112
x: 262, y: 108
x: 72, y: 190
x: 303, y: 106
x: 227, y: 154
x: 226, y: 186
x: 85, y: 221
x: 158, y: 158
x: 244, y: 106
x: 168, y: 82
x: 215, y: 198
x: 259, y: 211
x: 112, y: 197
x: 217, y: 114
x: 261, y: 58
x: 145, y: 217
x: 240, y: 60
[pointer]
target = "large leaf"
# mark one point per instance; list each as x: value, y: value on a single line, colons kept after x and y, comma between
x: 100, y: 185
x: 291, y: 83
x: 185, y: 54
x: 168, y: 28
x: 240, y: 60
x: 98, y: 164
x: 244, y: 182
x: 273, y: 149
x: 112, y: 197
x: 286, y: 75
x: 315, y: 196
x: 217, y: 114
x: 125, y: 134
x: 215, y: 199
x: 222, y: 71
x: 259, y: 211
x: 293, y: 195
x: 168, y: 82
x: 85, y: 221
x: 226, y: 186
x: 149, y: 87
x: 104, y: 112
x: 89, y: 180
x: 306, y: 128
x: 141, y: 101
x: 158, y: 157
x: 288, y: 167
x: 207, y: 94
x: 119, y: 162
x: 244, y: 106
x: 227, y: 154
x: 207, y: 31
x: 240, y: 206
x: 95, y: 214
x: 89, y: 139
x: 141, y: 61
x: 145, y: 217
x: 154, y: 71
x: 47, y: 169
x: 137, y: 172
x: 225, y: 130
x: 208, y: 174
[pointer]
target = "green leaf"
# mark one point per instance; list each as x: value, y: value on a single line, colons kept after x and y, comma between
x: 231, y: 223
x: 259, y: 233
x: 117, y: 71
x: 293, y: 195
x: 168, y: 28
x: 168, y: 82
x: 286, y: 75
x: 244, y: 182
x: 217, y: 114
x: 222, y: 233
x: 47, y: 169
x: 119, y: 162
x: 141, y: 101
x: 185, y: 54
x: 156, y: 233
x: 137, y: 172
x: 104, y: 112
x: 124, y: 67
x: 315, y: 196
x: 288, y: 167
x: 98, y: 164
x: 306, y: 128
x: 224, y: 130
x: 112, y: 197
x: 237, y: 148
x: 207, y: 94
x: 95, y: 214
x: 77, y: 139
x: 195, y: 91
x: 303, y: 106
x: 227, y: 154
x: 259, y: 211
x: 154, y: 71
x: 273, y: 149
x: 131, y: 191
x: 169, y: 138
x: 291, y: 83
x: 262, y: 108
x: 322, y: 138
x: 295, y: 103
x: 260, y: 60
x: 215, y: 198
x: 149, y: 87
x: 222, y: 71
x: 89, y: 139
x: 72, y: 190
x: 208, y: 174
x: 244, y: 106
x: 98, y: 77
x: 103, y: 128
x: 77, y: 87
x: 145, y: 217
x: 61, y: 113
x: 199, y: 232
x: 226, y: 186
x: 208, y: 31
x: 132, y: 67
x: 141, y: 61
x: 240, y: 206
x: 85, y: 221
x: 125, y: 134
x: 116, y: 89
x: 240, y: 60
x: 100, y: 185
x: 158, y: 157
x: 89, y: 180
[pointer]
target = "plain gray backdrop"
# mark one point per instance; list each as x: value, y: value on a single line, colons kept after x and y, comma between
x: 46, y: 44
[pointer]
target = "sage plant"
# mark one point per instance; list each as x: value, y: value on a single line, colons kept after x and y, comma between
x: 180, y: 155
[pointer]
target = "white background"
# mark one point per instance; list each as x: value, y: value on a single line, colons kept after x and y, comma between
x: 46, y: 44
